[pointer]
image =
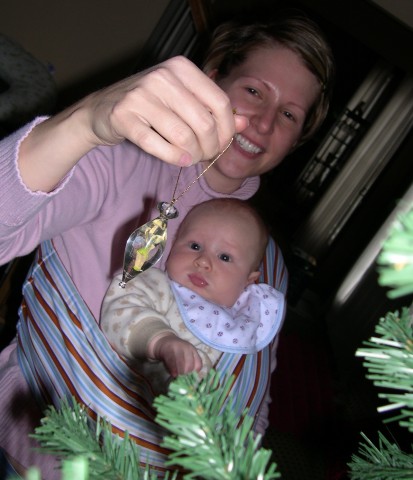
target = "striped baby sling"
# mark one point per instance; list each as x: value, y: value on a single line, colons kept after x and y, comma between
x: 63, y: 353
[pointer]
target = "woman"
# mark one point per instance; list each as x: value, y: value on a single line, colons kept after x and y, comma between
x: 87, y: 177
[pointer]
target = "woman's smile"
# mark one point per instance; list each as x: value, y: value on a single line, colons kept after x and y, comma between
x: 246, y: 145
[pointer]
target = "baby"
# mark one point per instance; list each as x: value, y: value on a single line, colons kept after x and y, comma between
x: 207, y: 302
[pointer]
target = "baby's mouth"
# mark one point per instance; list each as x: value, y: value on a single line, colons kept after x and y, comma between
x: 197, y: 280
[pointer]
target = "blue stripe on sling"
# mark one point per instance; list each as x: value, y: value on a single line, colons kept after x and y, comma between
x: 63, y: 352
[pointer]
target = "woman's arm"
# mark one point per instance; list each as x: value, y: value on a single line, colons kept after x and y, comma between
x: 173, y: 111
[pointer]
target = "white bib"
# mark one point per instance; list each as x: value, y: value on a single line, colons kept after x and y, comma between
x: 246, y: 327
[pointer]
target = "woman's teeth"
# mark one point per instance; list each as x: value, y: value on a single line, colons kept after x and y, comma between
x: 246, y: 145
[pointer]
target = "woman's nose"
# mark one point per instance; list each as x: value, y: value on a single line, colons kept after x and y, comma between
x: 264, y: 120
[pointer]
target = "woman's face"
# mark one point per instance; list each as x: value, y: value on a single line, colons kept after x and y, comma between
x: 275, y: 91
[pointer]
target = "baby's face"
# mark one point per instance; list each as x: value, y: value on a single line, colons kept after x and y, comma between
x: 214, y: 256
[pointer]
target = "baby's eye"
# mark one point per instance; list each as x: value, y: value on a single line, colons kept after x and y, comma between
x: 195, y: 246
x: 224, y: 257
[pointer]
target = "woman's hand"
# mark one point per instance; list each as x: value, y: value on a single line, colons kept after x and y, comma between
x: 178, y: 356
x: 173, y: 111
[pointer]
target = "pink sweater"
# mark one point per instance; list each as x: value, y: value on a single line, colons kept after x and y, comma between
x: 89, y: 216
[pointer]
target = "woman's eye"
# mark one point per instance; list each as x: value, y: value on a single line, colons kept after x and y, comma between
x: 289, y: 115
x: 252, y: 91
x: 195, y: 246
x: 224, y: 257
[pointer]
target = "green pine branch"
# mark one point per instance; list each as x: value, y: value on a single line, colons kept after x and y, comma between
x: 67, y: 433
x: 385, y: 462
x: 389, y: 360
x: 208, y: 440
x: 395, y: 261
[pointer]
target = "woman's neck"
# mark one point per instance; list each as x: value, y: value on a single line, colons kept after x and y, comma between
x: 220, y: 183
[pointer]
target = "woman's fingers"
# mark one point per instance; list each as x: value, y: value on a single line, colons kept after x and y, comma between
x: 173, y: 111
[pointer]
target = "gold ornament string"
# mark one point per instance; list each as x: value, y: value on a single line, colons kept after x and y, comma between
x: 145, y: 245
x: 174, y: 200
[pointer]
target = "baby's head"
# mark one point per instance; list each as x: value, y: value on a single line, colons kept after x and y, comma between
x: 218, y: 249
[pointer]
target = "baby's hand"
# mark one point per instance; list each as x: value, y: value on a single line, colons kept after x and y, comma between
x: 178, y: 356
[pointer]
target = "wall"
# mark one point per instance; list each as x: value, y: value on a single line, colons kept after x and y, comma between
x: 402, y: 10
x: 79, y: 38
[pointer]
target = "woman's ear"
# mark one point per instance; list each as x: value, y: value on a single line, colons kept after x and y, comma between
x: 253, y: 277
x: 212, y: 74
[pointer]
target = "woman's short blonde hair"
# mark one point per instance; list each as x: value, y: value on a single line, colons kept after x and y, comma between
x: 232, y: 42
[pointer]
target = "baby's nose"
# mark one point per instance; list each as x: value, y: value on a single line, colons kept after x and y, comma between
x: 203, y: 261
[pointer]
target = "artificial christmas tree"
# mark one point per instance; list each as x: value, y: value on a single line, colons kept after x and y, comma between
x: 388, y: 358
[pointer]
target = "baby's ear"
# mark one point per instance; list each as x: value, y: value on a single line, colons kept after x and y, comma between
x: 253, y: 277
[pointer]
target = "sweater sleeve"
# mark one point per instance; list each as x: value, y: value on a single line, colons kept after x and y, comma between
x: 89, y: 193
x: 19, y: 205
x: 131, y: 316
